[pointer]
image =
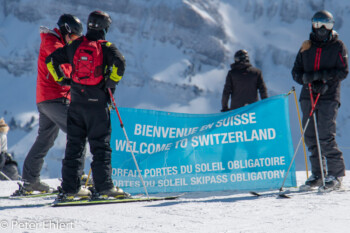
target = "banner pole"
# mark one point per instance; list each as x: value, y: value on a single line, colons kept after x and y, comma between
x: 301, y: 131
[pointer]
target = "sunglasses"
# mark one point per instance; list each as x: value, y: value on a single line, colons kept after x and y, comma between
x: 318, y: 24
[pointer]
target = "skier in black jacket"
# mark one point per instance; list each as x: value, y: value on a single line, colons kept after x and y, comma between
x: 242, y: 83
x: 322, y: 61
x: 97, y: 65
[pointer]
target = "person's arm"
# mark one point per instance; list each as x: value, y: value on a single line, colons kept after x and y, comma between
x: 262, y: 87
x: 53, y: 62
x: 341, y: 70
x: 3, y: 143
x: 226, y: 93
x: 115, y: 63
x: 51, y: 45
x: 298, y: 69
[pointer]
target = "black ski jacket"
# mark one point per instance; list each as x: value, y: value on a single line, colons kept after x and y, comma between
x: 88, y: 93
x: 330, y: 56
x: 242, y: 83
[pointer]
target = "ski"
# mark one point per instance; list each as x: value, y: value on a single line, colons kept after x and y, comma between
x: 30, y: 195
x: 85, y: 202
x: 281, y: 193
x: 288, y: 193
x: 22, y: 193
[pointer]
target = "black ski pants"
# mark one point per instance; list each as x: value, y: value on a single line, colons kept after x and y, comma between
x: 91, y: 121
x: 52, y: 117
x: 326, y: 114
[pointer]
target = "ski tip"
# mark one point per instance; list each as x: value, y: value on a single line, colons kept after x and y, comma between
x: 305, y: 188
x: 283, y: 195
x: 255, y: 193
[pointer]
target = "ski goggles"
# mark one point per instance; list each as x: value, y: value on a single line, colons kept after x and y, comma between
x: 318, y: 23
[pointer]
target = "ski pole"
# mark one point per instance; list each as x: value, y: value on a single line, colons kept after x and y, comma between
x: 317, y: 137
x: 4, y: 175
x: 301, y: 131
x: 87, y: 180
x: 302, y: 136
x: 127, y: 140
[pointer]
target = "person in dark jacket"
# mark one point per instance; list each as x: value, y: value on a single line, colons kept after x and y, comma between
x: 322, y: 61
x: 97, y: 66
x: 52, y: 100
x: 243, y: 82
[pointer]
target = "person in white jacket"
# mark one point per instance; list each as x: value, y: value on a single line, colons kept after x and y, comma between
x: 8, y: 166
x: 4, y: 128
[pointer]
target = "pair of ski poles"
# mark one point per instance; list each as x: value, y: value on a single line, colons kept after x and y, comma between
x: 312, y: 114
x: 128, y: 144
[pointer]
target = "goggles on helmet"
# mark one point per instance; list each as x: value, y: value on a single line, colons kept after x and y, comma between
x: 318, y: 23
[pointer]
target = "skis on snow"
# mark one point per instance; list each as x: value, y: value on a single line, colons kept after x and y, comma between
x: 30, y: 195
x: 83, y: 202
x: 301, y: 189
x: 21, y: 193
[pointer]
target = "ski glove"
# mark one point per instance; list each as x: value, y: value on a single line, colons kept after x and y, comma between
x: 319, y: 87
x: 323, y: 75
x: 308, y: 77
x: 327, y: 75
x: 110, y: 84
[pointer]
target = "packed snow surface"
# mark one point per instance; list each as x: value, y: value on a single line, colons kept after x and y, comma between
x: 227, y: 211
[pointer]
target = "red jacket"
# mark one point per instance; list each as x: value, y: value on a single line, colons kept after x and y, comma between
x: 46, y: 87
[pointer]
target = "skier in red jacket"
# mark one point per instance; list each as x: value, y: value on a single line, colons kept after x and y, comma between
x: 52, y: 100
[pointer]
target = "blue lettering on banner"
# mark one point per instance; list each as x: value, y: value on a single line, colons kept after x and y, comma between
x: 249, y: 148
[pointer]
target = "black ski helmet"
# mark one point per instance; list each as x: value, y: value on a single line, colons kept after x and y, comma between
x: 241, y: 56
x: 70, y: 24
x: 99, y: 20
x: 323, y: 18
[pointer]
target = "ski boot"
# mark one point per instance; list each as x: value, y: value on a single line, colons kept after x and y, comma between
x: 311, y: 183
x: 114, y: 192
x: 27, y: 188
x: 83, y: 193
x: 331, y: 183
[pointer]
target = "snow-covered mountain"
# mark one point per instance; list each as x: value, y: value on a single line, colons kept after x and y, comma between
x: 177, y: 53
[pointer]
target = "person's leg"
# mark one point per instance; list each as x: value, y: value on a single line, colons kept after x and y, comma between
x: 327, y: 115
x: 99, y: 135
x: 310, y: 137
x: 73, y: 162
x: 56, y: 111
x: 47, y: 134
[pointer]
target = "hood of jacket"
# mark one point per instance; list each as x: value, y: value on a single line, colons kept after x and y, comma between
x: 333, y: 37
x: 240, y: 65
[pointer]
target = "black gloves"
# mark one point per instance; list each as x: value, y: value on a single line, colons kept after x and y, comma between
x: 110, y: 84
x: 327, y: 75
x: 320, y: 75
x: 225, y: 109
x: 319, y: 87
x: 308, y: 77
